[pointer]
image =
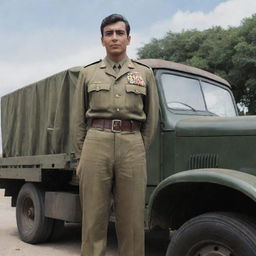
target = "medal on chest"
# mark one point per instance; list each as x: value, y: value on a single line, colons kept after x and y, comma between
x: 135, y: 78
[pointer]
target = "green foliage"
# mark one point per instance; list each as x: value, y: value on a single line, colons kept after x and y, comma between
x: 229, y: 53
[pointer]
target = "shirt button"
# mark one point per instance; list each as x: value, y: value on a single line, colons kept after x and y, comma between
x: 118, y: 95
x: 118, y: 109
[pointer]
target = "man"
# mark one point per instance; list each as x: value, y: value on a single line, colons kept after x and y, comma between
x: 115, y: 116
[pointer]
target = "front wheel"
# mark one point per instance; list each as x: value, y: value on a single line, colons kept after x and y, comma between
x: 33, y: 226
x: 214, y: 234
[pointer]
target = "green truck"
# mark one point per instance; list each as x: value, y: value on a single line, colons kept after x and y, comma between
x: 201, y: 166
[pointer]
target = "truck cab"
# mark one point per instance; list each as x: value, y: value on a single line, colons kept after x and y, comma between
x: 204, y: 189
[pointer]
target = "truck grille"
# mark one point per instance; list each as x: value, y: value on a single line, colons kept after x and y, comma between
x: 197, y: 161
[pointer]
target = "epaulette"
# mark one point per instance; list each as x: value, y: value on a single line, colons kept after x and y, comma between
x: 141, y: 63
x: 98, y: 61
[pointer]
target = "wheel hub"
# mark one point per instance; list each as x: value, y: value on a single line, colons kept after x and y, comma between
x: 30, y: 212
x: 213, y: 250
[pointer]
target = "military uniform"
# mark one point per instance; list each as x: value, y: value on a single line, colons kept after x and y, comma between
x: 115, y: 116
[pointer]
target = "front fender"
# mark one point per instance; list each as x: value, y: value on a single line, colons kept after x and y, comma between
x: 243, y: 182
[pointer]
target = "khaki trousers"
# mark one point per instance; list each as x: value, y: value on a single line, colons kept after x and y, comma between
x: 112, y: 165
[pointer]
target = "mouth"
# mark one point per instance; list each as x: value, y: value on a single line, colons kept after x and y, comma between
x: 115, y: 45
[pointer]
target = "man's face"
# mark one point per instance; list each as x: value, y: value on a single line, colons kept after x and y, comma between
x: 115, y: 39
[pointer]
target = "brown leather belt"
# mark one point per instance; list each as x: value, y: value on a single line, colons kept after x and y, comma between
x: 116, y: 125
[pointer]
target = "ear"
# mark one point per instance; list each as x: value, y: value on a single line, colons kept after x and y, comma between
x: 128, y: 39
x: 102, y: 42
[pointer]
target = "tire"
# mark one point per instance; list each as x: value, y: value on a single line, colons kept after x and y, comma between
x: 215, y: 234
x: 32, y: 225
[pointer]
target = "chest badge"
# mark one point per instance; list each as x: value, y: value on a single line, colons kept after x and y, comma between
x: 135, y: 78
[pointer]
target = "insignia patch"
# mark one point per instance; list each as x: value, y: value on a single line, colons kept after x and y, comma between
x: 135, y: 78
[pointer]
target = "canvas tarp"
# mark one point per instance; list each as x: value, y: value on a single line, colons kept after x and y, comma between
x: 36, y: 119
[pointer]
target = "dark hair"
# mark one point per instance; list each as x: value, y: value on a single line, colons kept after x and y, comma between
x: 113, y: 18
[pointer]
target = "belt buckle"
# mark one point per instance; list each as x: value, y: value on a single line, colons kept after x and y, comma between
x: 116, y: 125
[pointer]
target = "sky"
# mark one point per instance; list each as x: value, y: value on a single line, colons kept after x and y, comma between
x: 42, y: 37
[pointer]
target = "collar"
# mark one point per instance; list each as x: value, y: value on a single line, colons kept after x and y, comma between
x: 106, y: 61
x: 125, y: 68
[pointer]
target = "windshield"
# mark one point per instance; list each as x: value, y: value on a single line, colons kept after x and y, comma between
x: 183, y: 93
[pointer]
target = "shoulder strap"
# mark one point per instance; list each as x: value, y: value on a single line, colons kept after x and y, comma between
x: 96, y: 62
x: 140, y: 63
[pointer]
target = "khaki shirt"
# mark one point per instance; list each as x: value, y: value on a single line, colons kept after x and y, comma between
x: 102, y: 93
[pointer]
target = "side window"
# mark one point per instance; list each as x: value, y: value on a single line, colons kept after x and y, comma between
x: 218, y: 100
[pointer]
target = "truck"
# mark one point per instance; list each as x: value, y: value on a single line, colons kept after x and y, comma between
x: 201, y: 165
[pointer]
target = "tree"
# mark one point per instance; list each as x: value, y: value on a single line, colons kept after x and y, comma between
x: 229, y: 53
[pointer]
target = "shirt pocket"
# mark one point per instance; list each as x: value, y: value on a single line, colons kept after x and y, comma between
x: 134, y: 98
x: 96, y: 87
x: 130, y: 88
x: 99, y: 95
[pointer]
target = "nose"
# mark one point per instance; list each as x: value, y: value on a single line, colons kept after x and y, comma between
x: 114, y: 36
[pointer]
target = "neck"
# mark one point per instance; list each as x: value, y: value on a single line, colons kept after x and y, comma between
x: 117, y: 58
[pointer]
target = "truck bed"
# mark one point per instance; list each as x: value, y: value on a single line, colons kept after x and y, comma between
x: 35, y: 119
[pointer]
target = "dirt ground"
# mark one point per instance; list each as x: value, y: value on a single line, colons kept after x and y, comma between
x: 67, y: 245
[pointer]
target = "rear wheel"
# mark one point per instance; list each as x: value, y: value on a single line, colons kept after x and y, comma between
x: 214, y: 234
x: 33, y: 226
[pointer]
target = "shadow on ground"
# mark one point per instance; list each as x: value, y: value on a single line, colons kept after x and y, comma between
x: 156, y: 241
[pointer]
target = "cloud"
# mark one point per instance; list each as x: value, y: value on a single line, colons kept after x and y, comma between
x: 15, y: 74
x: 32, y: 57
x: 28, y: 58
x: 228, y: 13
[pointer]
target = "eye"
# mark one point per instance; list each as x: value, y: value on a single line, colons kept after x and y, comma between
x: 120, y: 32
x: 108, y: 33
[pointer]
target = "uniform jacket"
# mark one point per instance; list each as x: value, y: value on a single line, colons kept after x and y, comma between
x: 101, y: 93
